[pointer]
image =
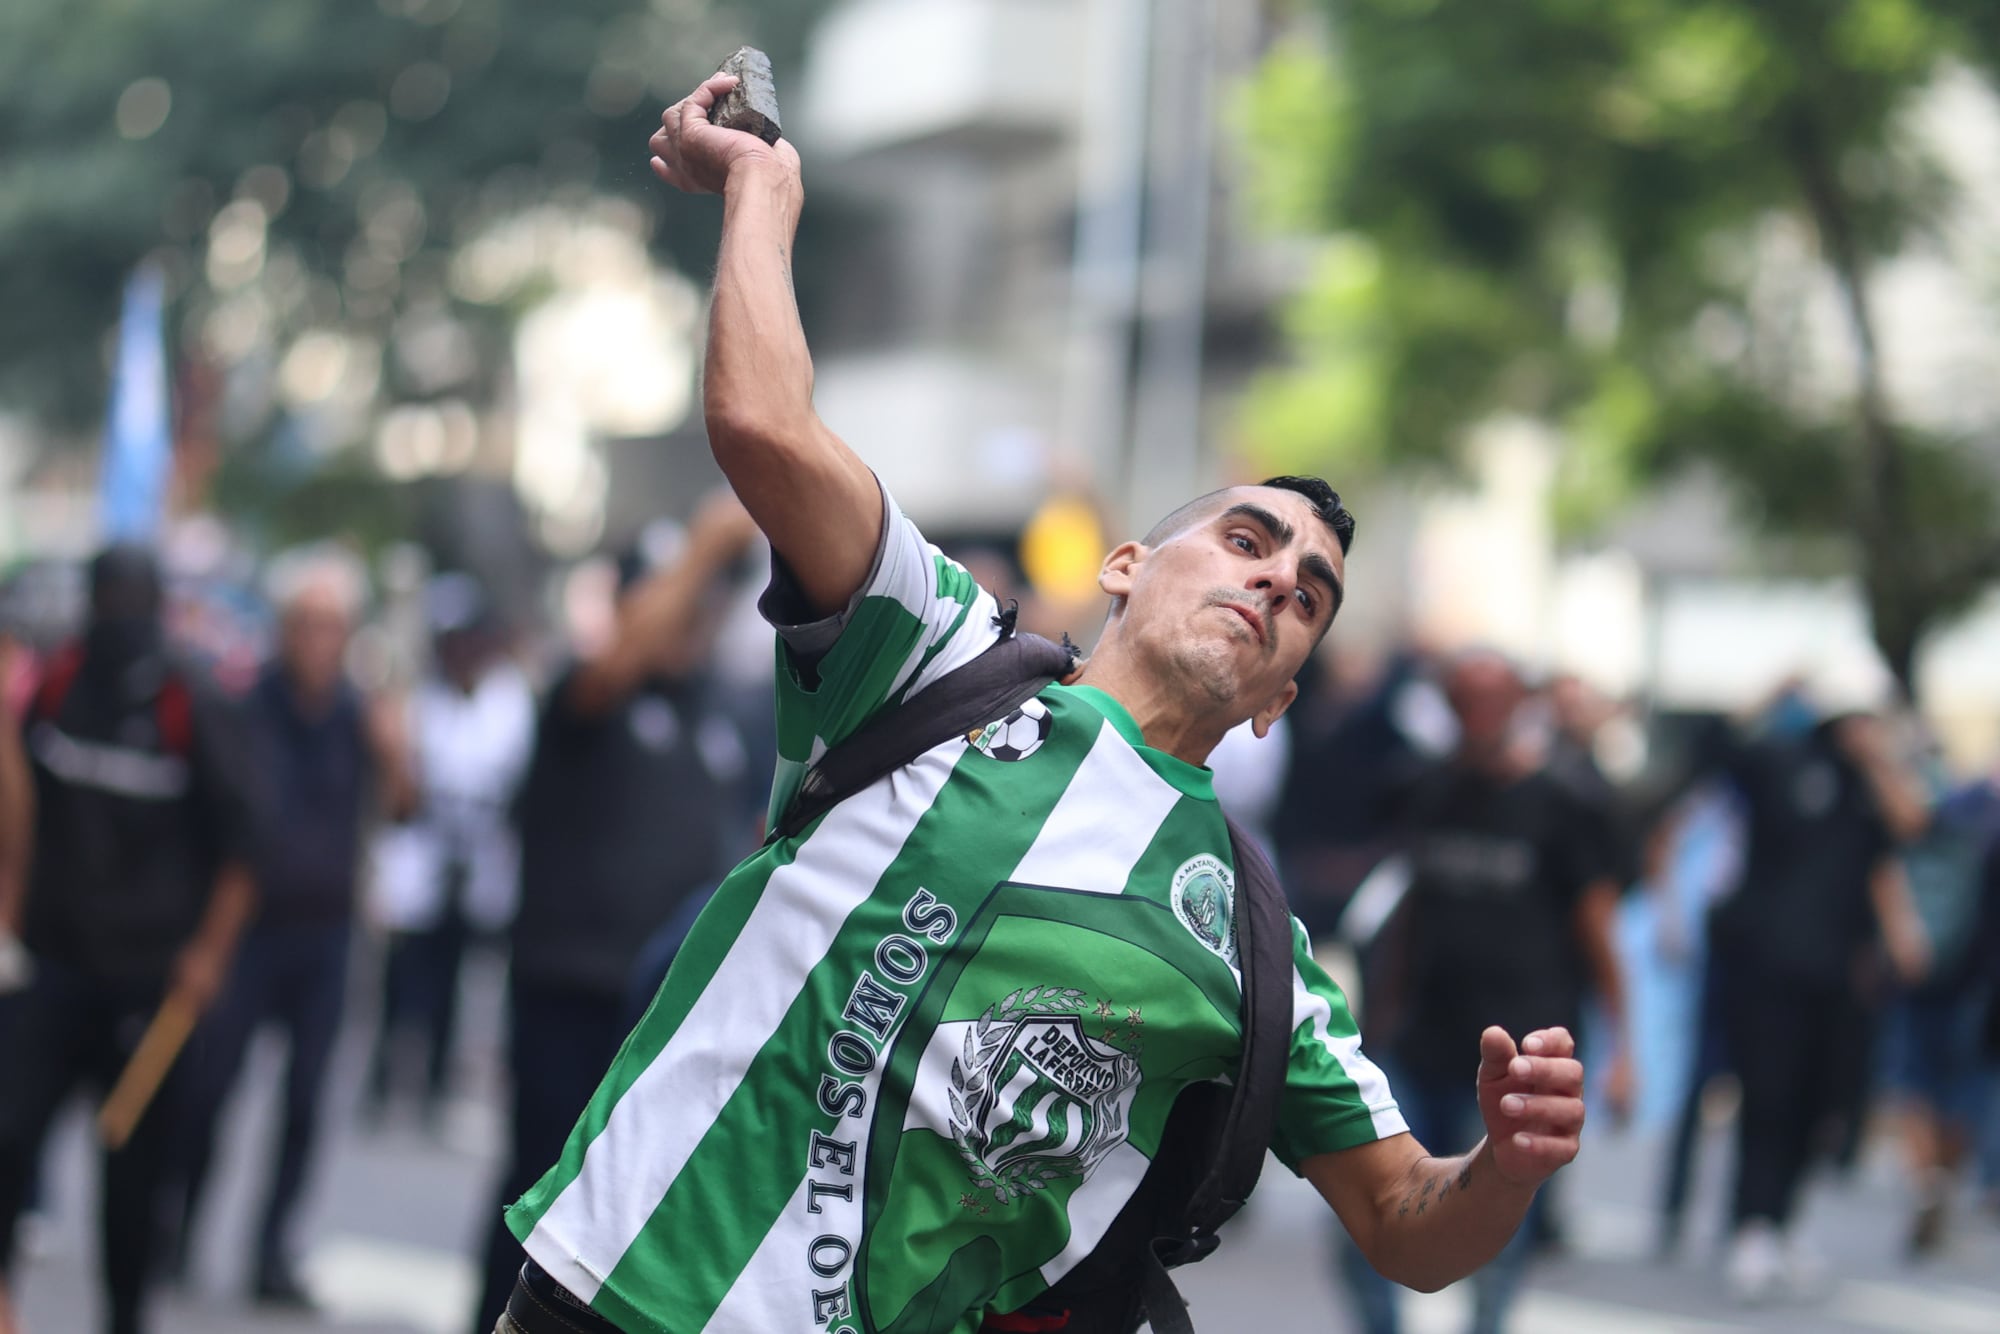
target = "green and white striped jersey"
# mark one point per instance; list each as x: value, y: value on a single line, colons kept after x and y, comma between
x: 910, y: 1064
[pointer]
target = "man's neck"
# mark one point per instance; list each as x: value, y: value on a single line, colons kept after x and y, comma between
x: 311, y: 705
x: 1163, y: 716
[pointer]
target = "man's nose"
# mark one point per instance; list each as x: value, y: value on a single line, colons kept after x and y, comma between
x: 1276, y: 583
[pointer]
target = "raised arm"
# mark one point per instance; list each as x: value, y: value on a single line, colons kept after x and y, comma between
x: 812, y: 495
x: 659, y: 617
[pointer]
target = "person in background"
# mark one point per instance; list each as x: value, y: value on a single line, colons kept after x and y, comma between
x: 1936, y: 1024
x: 1507, y: 919
x: 17, y: 833
x: 321, y: 757
x: 1695, y: 862
x: 1825, y: 812
x: 139, y: 890
x: 1356, y: 746
x: 622, y: 817
x: 1580, y: 714
x: 451, y: 869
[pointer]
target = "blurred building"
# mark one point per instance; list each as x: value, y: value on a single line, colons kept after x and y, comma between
x: 1051, y: 266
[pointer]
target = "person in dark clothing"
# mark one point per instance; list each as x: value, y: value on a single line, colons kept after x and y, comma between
x: 1825, y: 814
x: 1354, y: 748
x: 139, y: 890
x: 318, y: 760
x: 1580, y: 714
x: 622, y: 818
x: 1507, y: 920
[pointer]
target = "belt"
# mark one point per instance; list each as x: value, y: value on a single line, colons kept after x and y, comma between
x: 540, y: 1305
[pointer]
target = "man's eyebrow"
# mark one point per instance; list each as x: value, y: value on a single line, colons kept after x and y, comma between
x: 1315, y: 566
x: 1281, y: 532
x: 1312, y: 564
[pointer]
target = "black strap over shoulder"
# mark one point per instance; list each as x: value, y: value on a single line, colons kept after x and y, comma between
x: 1014, y: 669
x: 1264, y: 958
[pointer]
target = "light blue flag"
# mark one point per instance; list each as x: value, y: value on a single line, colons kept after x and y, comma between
x: 138, y: 437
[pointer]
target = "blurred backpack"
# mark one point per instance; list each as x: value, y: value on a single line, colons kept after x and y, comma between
x: 1212, y: 1148
x: 173, y: 704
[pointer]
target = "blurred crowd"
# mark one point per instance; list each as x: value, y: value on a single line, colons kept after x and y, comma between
x: 1792, y: 916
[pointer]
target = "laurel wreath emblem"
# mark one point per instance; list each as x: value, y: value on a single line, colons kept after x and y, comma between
x: 971, y: 1078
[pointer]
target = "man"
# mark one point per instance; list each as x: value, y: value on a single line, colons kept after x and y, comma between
x: 911, y: 1061
x: 1507, y: 919
x: 139, y: 888
x: 1825, y: 813
x: 320, y: 757
x: 450, y: 873
x: 623, y: 815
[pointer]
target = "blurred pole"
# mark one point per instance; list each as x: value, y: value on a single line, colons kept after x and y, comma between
x: 1104, y: 277
x: 1166, y: 462
x: 138, y: 436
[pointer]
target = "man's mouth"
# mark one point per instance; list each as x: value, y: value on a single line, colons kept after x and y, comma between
x: 1255, y: 621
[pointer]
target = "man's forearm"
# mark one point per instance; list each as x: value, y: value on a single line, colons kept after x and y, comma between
x: 814, y: 498
x: 757, y: 381
x: 1446, y: 1219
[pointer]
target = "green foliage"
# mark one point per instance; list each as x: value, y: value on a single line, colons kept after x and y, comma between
x: 1565, y: 209
x: 377, y: 135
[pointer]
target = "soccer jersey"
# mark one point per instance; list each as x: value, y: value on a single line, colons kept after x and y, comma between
x: 911, y: 1062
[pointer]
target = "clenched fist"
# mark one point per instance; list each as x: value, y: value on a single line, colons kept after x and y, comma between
x: 691, y: 153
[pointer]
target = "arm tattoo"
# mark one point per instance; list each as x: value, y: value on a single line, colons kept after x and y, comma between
x: 1434, y: 1188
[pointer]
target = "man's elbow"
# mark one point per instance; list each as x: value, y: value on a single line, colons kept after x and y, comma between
x: 1413, y: 1272
x: 752, y: 423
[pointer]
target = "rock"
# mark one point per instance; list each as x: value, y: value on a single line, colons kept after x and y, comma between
x: 752, y: 105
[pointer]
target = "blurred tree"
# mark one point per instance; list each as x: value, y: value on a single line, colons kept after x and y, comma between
x: 1630, y: 220
x: 310, y: 169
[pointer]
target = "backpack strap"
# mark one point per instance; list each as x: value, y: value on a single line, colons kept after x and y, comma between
x: 1263, y: 929
x: 173, y: 706
x: 1016, y: 668
x: 57, y: 678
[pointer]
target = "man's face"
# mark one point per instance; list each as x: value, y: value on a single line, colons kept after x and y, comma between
x: 1236, y: 602
x: 1484, y: 693
x: 314, y: 639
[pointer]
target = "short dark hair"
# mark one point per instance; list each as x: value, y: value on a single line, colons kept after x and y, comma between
x: 1324, y: 499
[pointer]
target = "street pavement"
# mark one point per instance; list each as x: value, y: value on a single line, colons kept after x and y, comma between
x: 398, y: 1212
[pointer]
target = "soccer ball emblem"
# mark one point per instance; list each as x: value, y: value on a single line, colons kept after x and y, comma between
x: 1018, y: 735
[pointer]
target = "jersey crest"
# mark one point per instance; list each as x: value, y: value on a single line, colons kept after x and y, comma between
x: 1204, y: 898
x: 1034, y: 1099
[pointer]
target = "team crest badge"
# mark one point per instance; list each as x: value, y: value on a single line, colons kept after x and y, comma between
x: 1017, y: 736
x: 1204, y: 896
x: 1033, y: 1098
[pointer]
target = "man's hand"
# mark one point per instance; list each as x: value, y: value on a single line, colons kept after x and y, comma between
x: 1531, y: 1100
x: 690, y: 153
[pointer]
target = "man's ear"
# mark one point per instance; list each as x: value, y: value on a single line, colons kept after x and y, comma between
x: 1261, y: 721
x: 1116, y: 574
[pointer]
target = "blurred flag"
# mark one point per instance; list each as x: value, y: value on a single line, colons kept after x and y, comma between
x: 138, y: 439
